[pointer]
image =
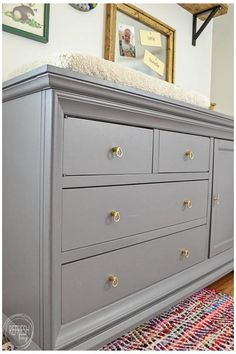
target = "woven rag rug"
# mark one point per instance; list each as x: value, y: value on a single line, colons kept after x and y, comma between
x: 204, y: 321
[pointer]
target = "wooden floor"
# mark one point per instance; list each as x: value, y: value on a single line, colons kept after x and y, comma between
x: 224, y: 285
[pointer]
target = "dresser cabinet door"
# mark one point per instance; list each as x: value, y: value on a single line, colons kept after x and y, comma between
x: 222, y: 199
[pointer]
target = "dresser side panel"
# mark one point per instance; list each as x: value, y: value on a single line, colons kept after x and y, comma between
x: 22, y: 129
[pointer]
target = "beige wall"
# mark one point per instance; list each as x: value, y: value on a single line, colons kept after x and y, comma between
x: 222, y: 80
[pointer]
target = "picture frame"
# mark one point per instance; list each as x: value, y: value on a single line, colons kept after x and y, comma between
x: 27, y: 20
x: 125, y: 22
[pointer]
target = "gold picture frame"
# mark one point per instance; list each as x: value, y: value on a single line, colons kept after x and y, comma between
x: 137, y: 21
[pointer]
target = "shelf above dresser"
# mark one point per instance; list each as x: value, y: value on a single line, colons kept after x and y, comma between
x: 199, y: 8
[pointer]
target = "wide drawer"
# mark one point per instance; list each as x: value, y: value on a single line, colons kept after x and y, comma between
x: 88, y: 214
x: 95, y: 282
x: 181, y: 152
x: 92, y: 147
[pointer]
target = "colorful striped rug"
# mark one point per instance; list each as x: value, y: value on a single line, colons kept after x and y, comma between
x: 203, y: 321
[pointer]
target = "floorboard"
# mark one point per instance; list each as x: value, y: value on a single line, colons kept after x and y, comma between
x: 224, y: 285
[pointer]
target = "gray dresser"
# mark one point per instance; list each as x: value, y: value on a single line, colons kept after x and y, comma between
x: 117, y: 204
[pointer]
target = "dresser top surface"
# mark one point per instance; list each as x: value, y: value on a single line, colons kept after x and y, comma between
x: 50, y: 70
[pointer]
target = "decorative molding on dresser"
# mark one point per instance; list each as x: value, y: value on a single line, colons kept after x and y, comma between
x: 111, y: 204
x: 94, y: 91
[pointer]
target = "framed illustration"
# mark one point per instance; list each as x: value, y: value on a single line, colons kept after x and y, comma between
x: 26, y: 20
x: 140, y: 41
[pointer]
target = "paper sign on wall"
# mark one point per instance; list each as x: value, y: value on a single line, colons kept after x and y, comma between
x: 150, y: 38
x: 154, y: 63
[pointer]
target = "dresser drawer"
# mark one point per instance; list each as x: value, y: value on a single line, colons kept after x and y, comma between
x: 181, y: 152
x: 88, y: 213
x: 92, y: 148
x: 86, y: 286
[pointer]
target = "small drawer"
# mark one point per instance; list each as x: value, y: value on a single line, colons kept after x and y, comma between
x: 92, y: 283
x: 177, y: 152
x: 93, y: 148
x: 95, y: 215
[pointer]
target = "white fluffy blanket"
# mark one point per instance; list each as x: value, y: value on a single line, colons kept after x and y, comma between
x: 107, y: 70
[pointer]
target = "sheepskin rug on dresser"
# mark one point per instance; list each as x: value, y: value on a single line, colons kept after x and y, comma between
x: 116, y: 73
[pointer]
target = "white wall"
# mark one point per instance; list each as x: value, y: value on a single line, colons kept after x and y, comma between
x: 222, y: 84
x: 193, y: 64
x: 71, y: 30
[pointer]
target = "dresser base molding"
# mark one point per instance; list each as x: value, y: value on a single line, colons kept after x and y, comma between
x: 103, y: 326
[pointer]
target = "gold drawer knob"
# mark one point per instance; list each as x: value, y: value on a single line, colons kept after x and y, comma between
x: 113, y: 280
x: 189, y: 154
x: 184, y: 253
x: 115, y: 215
x: 117, y: 151
x: 187, y: 204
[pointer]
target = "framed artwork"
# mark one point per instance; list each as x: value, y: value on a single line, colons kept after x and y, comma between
x: 140, y: 41
x: 26, y: 20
